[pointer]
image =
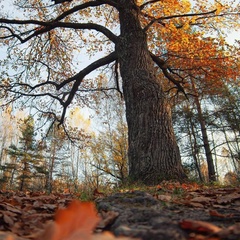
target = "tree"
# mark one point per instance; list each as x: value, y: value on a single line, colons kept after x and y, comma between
x: 108, y: 147
x: 206, y: 144
x: 158, y: 41
x: 210, y: 122
x: 27, y: 159
x: 227, y: 119
x: 185, y: 125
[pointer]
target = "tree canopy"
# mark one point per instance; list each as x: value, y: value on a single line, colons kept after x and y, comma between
x: 43, y: 44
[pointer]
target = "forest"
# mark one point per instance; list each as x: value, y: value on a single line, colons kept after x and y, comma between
x: 120, y: 119
x: 153, y: 97
x: 98, y: 159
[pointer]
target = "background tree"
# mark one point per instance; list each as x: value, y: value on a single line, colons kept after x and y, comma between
x: 158, y: 41
x: 27, y: 159
x: 108, y: 147
x: 217, y: 105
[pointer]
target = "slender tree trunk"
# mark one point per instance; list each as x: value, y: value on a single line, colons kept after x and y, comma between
x: 23, y: 177
x: 195, y: 149
x: 153, y: 152
x: 53, y: 149
x: 2, y: 150
x: 206, y: 145
x: 235, y: 163
x: 215, y: 157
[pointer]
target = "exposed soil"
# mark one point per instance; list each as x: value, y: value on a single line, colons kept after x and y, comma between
x: 208, y: 214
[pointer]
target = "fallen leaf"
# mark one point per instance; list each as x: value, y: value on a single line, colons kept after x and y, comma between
x: 227, y: 233
x: 199, y: 226
x: 214, y: 213
x: 7, y: 219
x: 228, y: 198
x: 201, y: 200
x: 73, y: 223
x: 164, y: 198
x: 195, y: 204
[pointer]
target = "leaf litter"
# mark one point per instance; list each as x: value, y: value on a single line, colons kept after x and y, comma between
x: 38, y: 216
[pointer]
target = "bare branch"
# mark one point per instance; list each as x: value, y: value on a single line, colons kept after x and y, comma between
x: 106, y: 171
x: 78, y: 78
x: 91, y: 26
x: 147, y: 3
x: 12, y: 34
x: 47, y: 26
x: 177, y: 16
x: 29, y: 94
x: 84, y: 6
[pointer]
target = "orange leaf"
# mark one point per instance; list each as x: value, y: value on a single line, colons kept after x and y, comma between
x: 73, y: 223
x: 199, y: 226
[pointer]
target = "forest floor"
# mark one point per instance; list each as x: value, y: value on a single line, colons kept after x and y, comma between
x: 167, y: 211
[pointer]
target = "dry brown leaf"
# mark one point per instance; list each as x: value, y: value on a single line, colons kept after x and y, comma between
x: 7, y: 219
x: 228, y: 198
x: 195, y: 204
x: 201, y: 200
x: 226, y: 232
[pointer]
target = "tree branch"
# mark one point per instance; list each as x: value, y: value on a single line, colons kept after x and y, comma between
x: 47, y: 26
x: 29, y: 94
x: 78, y: 78
x: 83, y: 6
x: 60, y: 1
x: 106, y: 171
x: 177, y: 16
x: 149, y: 2
x: 162, y: 64
x: 91, y: 26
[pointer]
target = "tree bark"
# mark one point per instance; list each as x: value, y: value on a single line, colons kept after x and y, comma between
x: 153, y: 152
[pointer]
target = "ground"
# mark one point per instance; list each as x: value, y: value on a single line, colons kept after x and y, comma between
x: 166, y: 211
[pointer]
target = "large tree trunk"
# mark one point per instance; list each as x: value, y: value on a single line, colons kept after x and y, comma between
x: 153, y: 152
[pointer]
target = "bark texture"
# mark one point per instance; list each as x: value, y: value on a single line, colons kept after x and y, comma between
x: 153, y: 151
